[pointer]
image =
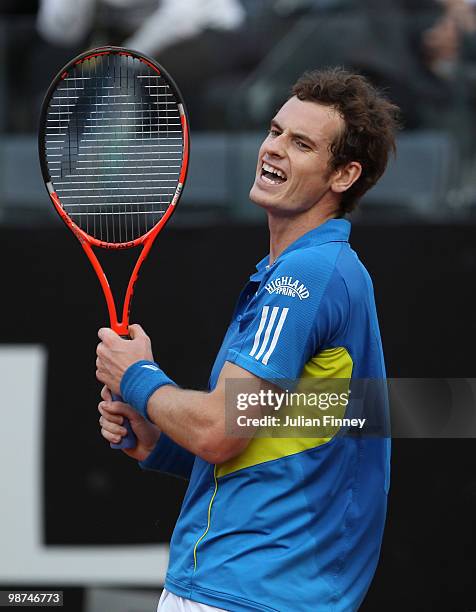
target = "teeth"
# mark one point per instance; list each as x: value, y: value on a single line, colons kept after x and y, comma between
x: 269, y: 168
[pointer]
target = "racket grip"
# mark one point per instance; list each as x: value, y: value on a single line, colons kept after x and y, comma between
x: 130, y: 440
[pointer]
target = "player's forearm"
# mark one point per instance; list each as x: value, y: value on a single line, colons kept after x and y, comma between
x: 195, y: 420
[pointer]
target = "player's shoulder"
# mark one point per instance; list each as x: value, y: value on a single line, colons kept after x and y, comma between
x: 312, y: 261
x: 353, y: 273
x: 303, y: 273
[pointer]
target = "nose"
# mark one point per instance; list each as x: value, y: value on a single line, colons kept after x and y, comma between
x: 274, y: 145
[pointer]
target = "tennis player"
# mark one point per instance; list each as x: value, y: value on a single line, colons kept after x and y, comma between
x: 267, y: 523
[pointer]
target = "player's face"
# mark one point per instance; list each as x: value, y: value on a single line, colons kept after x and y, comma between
x: 293, y: 172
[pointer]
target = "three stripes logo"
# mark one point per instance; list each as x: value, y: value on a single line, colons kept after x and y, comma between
x: 271, y: 324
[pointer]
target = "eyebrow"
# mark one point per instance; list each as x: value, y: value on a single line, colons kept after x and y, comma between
x: 298, y: 135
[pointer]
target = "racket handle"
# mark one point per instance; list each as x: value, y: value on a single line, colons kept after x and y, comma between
x: 130, y: 440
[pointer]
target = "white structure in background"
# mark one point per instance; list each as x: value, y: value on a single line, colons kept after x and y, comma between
x: 68, y: 22
x: 24, y: 559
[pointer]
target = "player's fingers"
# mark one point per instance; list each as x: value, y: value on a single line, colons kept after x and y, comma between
x: 112, y: 428
x: 102, y: 333
x: 106, y: 334
x: 119, y: 409
x: 135, y: 331
x: 113, y: 408
x: 106, y: 394
x: 110, y: 437
x: 110, y: 416
x: 101, y: 376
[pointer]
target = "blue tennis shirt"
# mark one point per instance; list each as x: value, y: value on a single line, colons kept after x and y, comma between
x: 290, y: 524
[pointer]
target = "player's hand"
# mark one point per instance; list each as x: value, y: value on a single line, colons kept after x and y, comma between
x: 112, y: 418
x: 115, y: 354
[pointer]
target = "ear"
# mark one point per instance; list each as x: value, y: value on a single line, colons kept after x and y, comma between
x: 345, y: 177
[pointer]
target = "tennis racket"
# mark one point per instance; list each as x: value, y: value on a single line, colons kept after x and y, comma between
x: 114, y: 149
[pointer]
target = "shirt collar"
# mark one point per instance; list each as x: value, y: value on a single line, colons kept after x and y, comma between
x: 334, y: 230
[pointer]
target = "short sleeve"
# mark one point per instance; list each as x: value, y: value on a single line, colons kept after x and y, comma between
x: 170, y: 458
x: 297, y: 311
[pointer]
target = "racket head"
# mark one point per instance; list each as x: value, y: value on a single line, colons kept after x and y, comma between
x: 114, y: 146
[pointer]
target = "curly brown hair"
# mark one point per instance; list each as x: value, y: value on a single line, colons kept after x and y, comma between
x: 371, y: 122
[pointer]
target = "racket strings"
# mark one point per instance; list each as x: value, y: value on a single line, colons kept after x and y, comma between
x: 114, y: 146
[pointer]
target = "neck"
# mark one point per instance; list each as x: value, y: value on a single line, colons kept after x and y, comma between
x: 283, y: 231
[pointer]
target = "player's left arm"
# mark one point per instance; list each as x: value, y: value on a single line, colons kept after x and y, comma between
x: 193, y: 419
x: 196, y: 419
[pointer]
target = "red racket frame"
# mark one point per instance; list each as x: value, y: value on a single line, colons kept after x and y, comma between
x: 121, y: 327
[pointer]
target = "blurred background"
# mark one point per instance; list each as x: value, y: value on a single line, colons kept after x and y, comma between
x: 75, y: 515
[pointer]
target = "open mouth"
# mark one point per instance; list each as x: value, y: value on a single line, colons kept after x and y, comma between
x: 272, y: 175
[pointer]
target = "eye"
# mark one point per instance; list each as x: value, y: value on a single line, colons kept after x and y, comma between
x: 273, y: 132
x: 302, y: 145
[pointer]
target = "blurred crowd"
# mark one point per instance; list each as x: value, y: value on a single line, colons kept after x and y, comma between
x: 234, y: 59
